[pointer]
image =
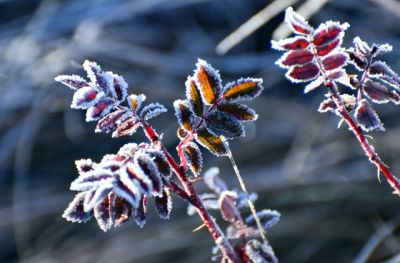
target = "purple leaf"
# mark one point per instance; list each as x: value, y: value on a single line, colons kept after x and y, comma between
x: 97, y: 76
x: 335, y: 60
x: 119, y: 88
x: 380, y: 70
x: 314, y: 84
x: 293, y: 43
x: 92, y: 180
x: 103, y: 212
x: 72, y: 81
x: 268, y: 218
x: 145, y: 166
x: 85, y: 97
x: 367, y: 118
x: 75, y: 212
x: 328, y: 48
x: 126, y: 128
x: 136, y: 180
x: 164, y: 204
x: 85, y: 165
x: 112, y: 120
x: 304, y: 73
x: 329, y: 32
x: 152, y: 110
x: 227, y: 203
x: 101, y: 108
x: 140, y: 213
x: 129, y: 194
x: 97, y: 196
x: 379, y: 93
x: 295, y: 57
x: 161, y: 162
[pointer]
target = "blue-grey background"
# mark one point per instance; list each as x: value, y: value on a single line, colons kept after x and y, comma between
x: 331, y: 201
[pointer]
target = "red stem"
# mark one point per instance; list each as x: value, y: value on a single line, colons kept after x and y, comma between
x: 368, y: 149
x: 194, y: 198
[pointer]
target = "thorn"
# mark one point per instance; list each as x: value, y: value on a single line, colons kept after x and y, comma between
x: 199, y: 228
x: 379, y: 175
x: 196, y: 179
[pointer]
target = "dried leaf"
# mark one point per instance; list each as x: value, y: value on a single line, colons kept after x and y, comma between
x: 293, y: 43
x: 164, y: 204
x: 136, y: 101
x: 127, y: 128
x: 222, y: 123
x: 152, y: 110
x: 184, y: 114
x: 335, y: 60
x: 367, y: 118
x: 243, y: 89
x: 328, y: 32
x: 304, y: 73
x: 194, y: 97
x: 75, y: 212
x: 379, y: 93
x: 72, y: 81
x: 208, y: 81
x: 101, y: 108
x: 239, y: 111
x: 295, y: 57
x: 193, y: 156
x: 112, y: 120
x: 297, y: 22
x: 211, y: 142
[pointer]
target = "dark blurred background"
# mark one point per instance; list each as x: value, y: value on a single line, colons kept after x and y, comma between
x: 333, y: 207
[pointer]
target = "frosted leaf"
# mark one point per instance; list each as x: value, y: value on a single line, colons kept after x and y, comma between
x: 184, y: 114
x: 164, y: 204
x: 130, y: 195
x: 122, y: 210
x: 379, y: 93
x: 103, y: 213
x: 361, y: 46
x: 268, y: 218
x: 243, y: 89
x: 85, y: 97
x: 119, y: 88
x: 213, y: 181
x: 357, y: 59
x: 314, y: 84
x: 367, y: 118
x: 260, y: 252
x: 328, y: 32
x: 295, y: 57
x: 222, y: 123
x: 328, y: 104
x: 292, y: 43
x: 208, y: 81
x: 227, y: 203
x: 304, y: 73
x: 211, y: 142
x: 126, y: 128
x: 101, y: 108
x: 75, y: 212
x: 137, y: 179
x: 193, y: 157
x: 135, y: 101
x: 145, y: 166
x: 112, y: 120
x: 161, y: 162
x: 85, y: 165
x: 140, y: 213
x: 128, y: 150
x: 382, y: 49
x: 243, y: 198
x: 97, y: 76
x: 96, y: 196
x: 152, y: 110
x: 381, y: 70
x: 210, y: 202
x: 193, y: 95
x: 112, y: 165
x: 335, y: 60
x: 72, y: 81
x: 297, y: 22
x: 92, y: 179
x: 328, y: 48
x: 239, y: 111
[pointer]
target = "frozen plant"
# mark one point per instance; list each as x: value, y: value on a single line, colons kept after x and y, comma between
x: 316, y: 57
x: 119, y: 187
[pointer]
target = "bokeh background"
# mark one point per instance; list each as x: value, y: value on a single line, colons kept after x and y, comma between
x: 333, y: 207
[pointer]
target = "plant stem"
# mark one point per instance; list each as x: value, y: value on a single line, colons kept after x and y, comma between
x: 195, y: 200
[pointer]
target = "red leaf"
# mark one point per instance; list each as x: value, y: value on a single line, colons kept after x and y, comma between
x: 328, y: 48
x: 297, y: 22
x: 303, y: 73
x: 227, y: 202
x: 112, y: 120
x: 102, y: 107
x: 292, y: 43
x: 295, y: 57
x: 379, y: 93
x: 335, y: 61
x: 328, y: 32
x: 84, y: 97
